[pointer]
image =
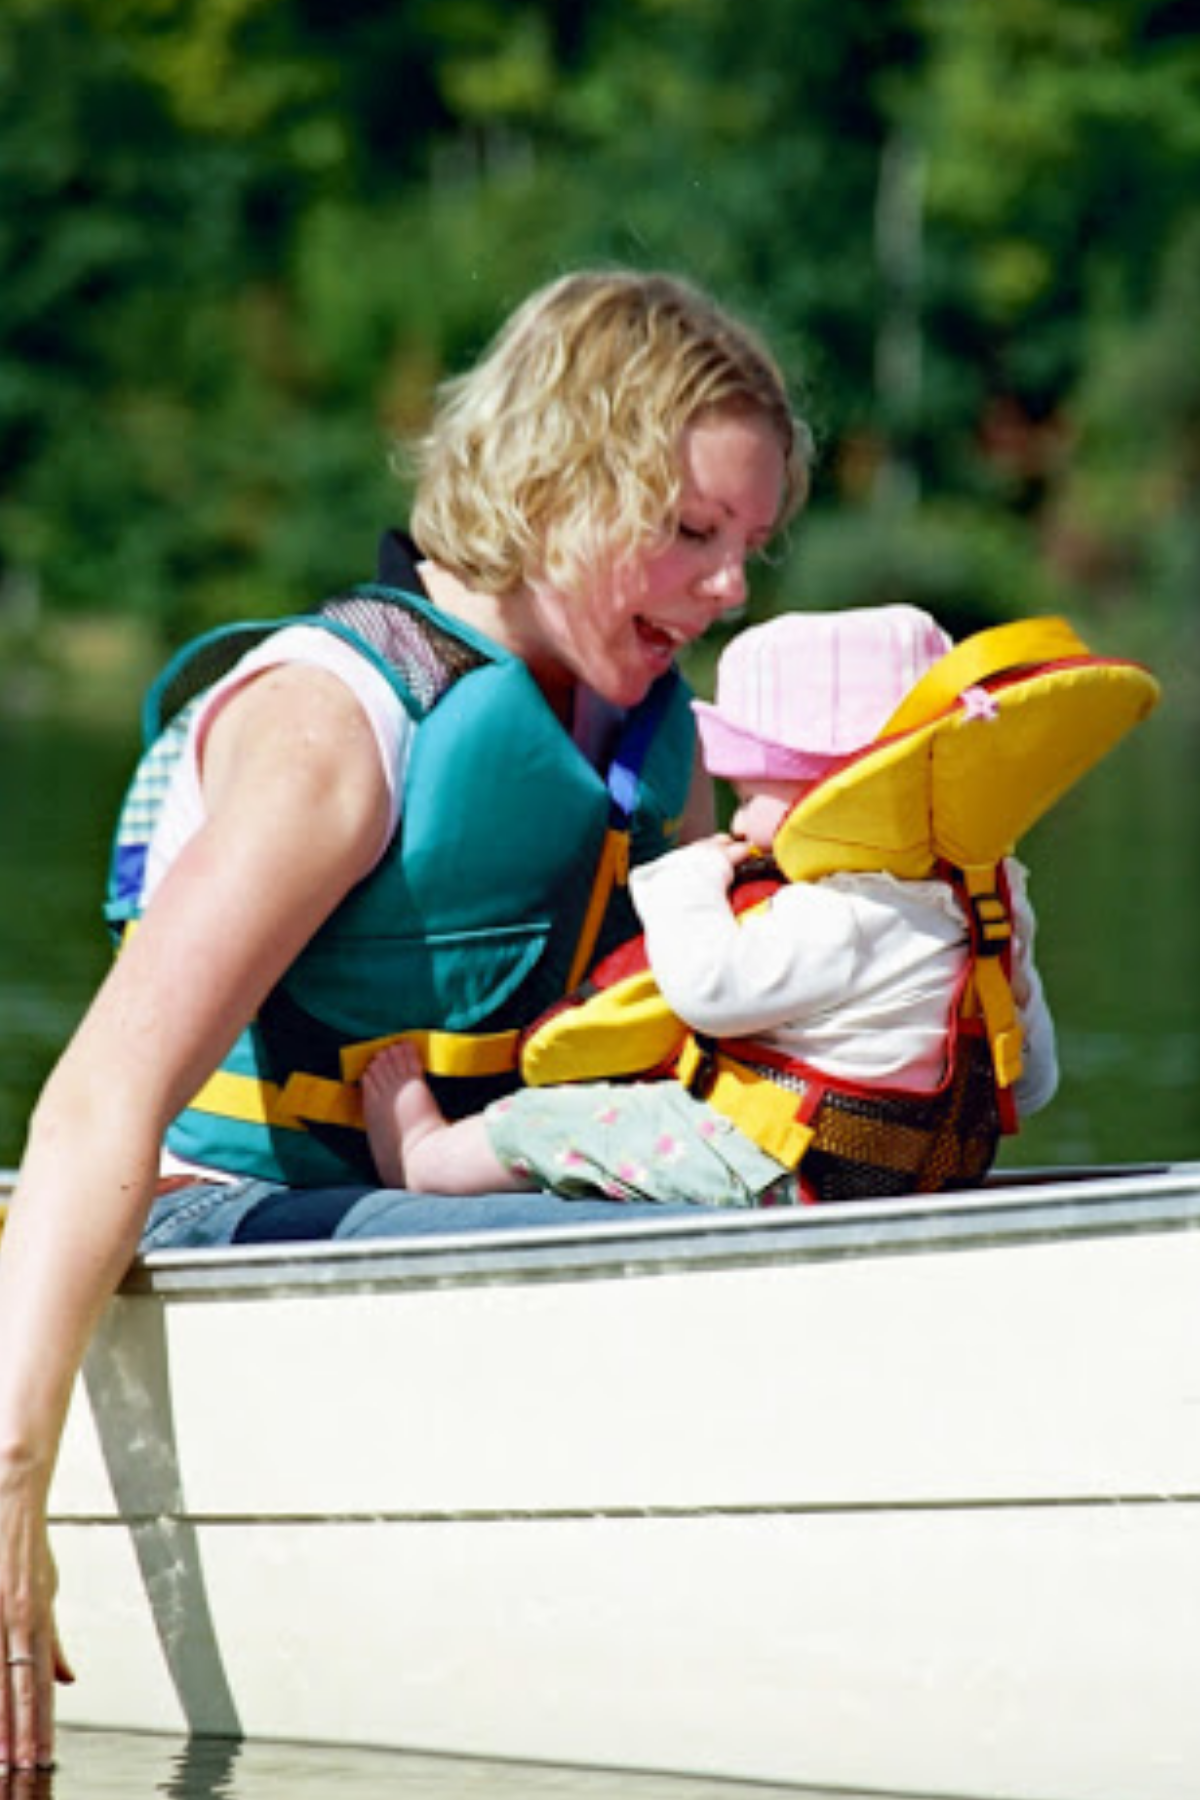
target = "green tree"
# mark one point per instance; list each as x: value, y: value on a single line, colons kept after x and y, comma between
x: 1063, y: 139
x: 111, y: 235
x: 241, y: 240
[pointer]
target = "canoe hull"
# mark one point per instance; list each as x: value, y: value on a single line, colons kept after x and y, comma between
x: 895, y: 1498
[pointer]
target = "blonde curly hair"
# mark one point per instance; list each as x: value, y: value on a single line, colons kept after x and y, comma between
x: 557, y: 456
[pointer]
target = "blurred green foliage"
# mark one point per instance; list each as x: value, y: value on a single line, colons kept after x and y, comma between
x: 241, y: 240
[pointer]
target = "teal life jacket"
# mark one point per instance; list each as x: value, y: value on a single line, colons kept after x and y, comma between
x: 504, y: 880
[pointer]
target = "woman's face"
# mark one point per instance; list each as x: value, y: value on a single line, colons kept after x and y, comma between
x: 619, y: 641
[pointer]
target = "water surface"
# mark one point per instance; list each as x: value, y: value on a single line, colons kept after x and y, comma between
x: 121, y: 1766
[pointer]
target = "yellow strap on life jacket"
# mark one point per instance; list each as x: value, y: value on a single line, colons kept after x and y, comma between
x: 1019, y: 644
x: 452, y: 1053
x: 764, y: 1110
x: 992, y: 935
x: 612, y: 870
x: 245, y: 1097
x: 325, y: 1100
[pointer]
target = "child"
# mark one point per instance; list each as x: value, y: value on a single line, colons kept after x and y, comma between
x: 854, y: 979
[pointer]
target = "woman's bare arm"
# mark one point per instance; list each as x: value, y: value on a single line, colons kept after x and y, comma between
x: 297, y: 811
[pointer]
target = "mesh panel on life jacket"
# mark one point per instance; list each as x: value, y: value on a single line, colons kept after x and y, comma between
x: 430, y: 658
x: 879, y: 1146
x: 187, y: 677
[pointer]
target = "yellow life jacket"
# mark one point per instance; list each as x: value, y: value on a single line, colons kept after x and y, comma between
x: 990, y: 738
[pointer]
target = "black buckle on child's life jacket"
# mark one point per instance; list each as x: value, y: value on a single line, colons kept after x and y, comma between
x: 702, y: 1076
x: 991, y: 923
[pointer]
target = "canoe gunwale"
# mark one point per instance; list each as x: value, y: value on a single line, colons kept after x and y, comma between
x: 1028, y: 1208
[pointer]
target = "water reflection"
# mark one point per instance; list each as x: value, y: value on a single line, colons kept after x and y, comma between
x: 100, y: 1765
x: 27, y: 1784
x: 204, y: 1770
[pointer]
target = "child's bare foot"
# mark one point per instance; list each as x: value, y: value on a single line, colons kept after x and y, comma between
x: 400, y: 1110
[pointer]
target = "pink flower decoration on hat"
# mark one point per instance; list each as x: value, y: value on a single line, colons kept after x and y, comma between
x: 977, y: 703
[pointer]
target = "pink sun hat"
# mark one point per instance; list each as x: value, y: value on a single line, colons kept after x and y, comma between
x: 799, y: 694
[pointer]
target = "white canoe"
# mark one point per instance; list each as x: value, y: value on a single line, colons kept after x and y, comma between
x: 900, y: 1497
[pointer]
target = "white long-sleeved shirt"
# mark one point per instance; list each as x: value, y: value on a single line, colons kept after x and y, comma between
x: 855, y: 974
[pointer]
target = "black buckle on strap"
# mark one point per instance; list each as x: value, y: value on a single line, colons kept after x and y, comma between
x: 704, y: 1073
x: 991, y: 923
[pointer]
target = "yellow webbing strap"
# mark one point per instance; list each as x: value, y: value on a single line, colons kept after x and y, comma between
x: 247, y: 1098
x: 993, y: 929
x: 611, y: 870
x: 455, y: 1053
x: 321, y: 1099
x: 762, y: 1109
x: 978, y: 658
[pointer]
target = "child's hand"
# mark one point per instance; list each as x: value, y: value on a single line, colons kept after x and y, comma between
x: 735, y: 850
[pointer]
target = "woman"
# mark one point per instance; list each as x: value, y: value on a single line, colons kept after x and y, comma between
x: 588, y: 500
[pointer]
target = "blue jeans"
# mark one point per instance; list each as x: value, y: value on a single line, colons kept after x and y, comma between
x: 261, y: 1212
